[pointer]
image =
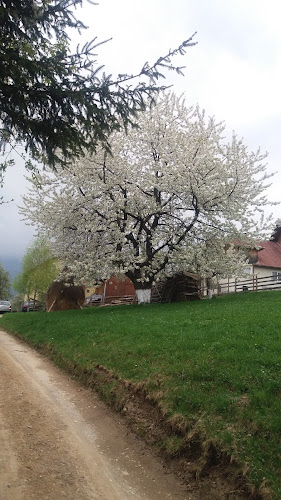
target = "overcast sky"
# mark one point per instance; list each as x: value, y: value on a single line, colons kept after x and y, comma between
x: 234, y: 73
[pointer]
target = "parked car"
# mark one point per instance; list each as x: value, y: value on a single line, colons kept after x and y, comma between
x: 94, y: 299
x: 31, y: 306
x: 27, y: 307
x: 5, y: 306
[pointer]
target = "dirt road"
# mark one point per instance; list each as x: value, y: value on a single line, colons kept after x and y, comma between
x: 58, y: 441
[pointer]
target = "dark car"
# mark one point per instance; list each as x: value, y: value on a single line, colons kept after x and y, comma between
x: 33, y: 306
x: 5, y: 306
x: 26, y: 307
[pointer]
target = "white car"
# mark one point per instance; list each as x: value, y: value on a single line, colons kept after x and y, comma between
x: 5, y: 306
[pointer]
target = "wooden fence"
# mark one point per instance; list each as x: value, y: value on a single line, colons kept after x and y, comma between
x: 100, y: 300
x: 254, y: 283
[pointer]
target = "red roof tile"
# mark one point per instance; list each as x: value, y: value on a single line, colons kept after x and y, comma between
x: 270, y: 256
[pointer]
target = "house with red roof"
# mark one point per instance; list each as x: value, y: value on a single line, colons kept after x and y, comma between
x: 265, y: 259
x: 263, y: 267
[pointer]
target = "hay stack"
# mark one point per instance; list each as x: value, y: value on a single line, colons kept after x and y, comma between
x: 62, y: 297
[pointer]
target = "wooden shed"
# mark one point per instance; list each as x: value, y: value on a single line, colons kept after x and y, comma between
x: 117, y: 288
x: 177, y: 288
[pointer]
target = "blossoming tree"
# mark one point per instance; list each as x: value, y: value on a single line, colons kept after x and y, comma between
x: 171, y: 188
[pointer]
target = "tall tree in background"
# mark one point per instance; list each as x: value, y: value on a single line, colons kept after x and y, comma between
x: 5, y: 284
x: 170, y: 198
x: 39, y: 269
x: 55, y: 102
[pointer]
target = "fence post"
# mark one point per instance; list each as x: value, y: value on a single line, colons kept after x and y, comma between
x: 235, y: 285
x: 202, y: 285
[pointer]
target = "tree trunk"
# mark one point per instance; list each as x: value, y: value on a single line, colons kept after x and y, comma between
x: 143, y: 295
x: 209, y: 288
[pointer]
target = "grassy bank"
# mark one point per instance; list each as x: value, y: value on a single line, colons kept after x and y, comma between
x: 212, y: 366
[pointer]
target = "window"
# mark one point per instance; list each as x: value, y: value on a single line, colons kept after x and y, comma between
x: 276, y: 276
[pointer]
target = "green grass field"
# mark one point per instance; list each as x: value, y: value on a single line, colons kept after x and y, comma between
x: 213, y: 365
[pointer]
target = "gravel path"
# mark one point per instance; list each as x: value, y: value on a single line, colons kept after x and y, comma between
x: 58, y: 441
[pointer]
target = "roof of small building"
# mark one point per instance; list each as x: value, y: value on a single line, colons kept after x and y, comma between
x: 270, y: 255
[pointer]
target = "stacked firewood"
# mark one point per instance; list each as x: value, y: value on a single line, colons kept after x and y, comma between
x: 177, y: 288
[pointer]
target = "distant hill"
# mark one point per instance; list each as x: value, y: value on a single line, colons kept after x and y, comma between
x: 12, y: 265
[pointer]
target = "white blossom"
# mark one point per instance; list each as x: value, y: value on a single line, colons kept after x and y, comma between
x: 171, y: 197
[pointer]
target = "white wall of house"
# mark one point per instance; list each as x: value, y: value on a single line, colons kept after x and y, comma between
x: 265, y: 271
